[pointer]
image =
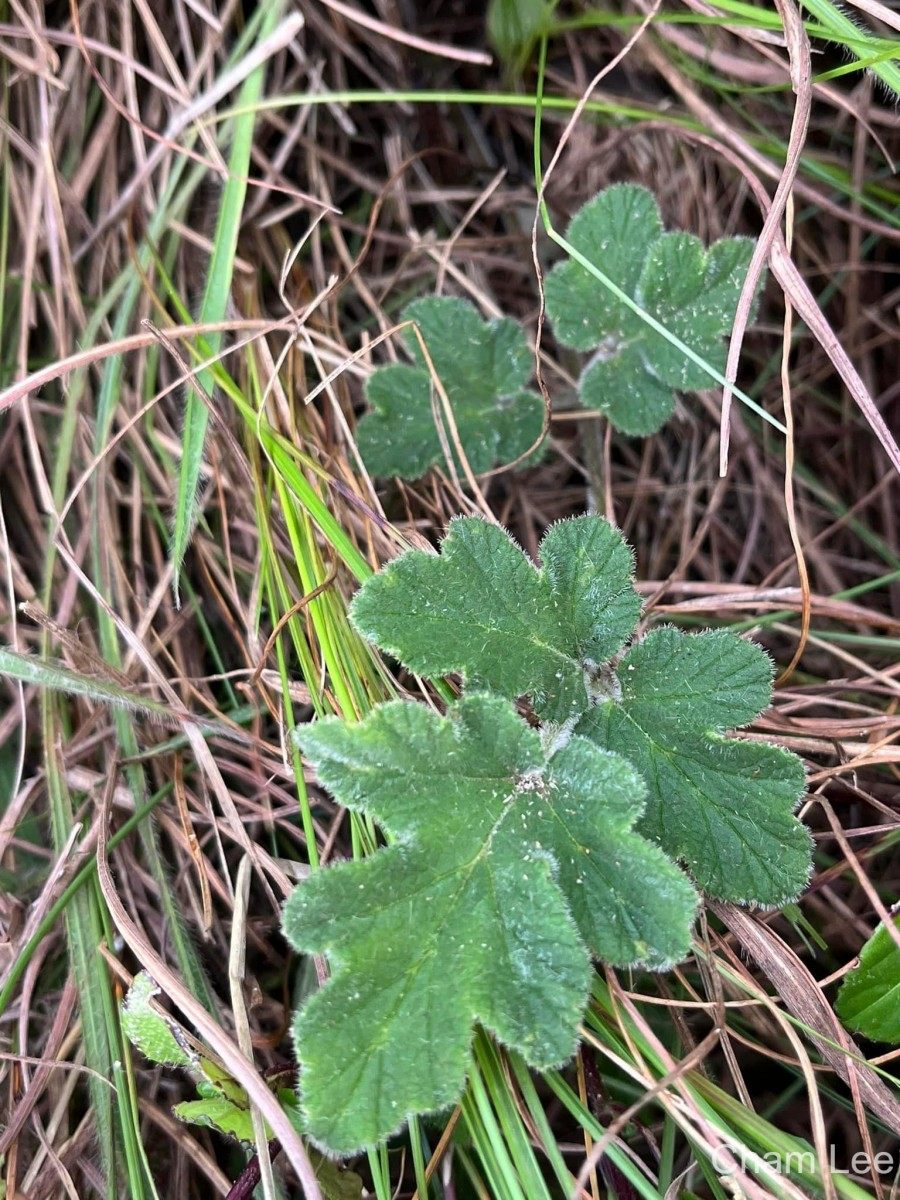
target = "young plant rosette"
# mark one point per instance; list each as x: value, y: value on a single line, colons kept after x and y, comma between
x: 521, y: 847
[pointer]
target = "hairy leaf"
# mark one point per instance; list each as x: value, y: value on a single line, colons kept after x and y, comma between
x: 692, y: 292
x: 147, y: 1028
x: 506, y: 871
x: 483, y: 367
x: 216, y: 295
x: 869, y: 999
x: 224, y: 1103
x: 723, y: 807
x: 481, y: 608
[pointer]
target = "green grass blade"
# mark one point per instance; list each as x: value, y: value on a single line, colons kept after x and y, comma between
x: 58, y: 677
x: 215, y: 303
x: 857, y: 40
x: 84, y: 933
x: 512, y: 1128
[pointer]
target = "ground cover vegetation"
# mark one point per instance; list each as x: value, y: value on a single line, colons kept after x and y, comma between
x: 448, y: 537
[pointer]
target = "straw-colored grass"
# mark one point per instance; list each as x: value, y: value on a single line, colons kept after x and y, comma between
x: 209, y: 221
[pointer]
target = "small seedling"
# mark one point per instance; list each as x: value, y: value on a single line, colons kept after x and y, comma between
x: 670, y: 280
x: 483, y: 368
x: 692, y: 292
x: 522, y: 846
x: 222, y: 1103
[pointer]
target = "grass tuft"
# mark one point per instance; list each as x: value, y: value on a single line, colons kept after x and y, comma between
x: 210, y: 221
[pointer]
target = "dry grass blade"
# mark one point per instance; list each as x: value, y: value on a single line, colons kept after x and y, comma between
x: 803, y: 998
x: 801, y: 73
x: 150, y: 786
x: 237, y: 1063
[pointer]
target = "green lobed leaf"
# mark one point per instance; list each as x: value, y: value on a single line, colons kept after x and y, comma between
x: 481, y: 608
x: 216, y: 296
x: 692, y: 292
x: 614, y: 231
x: 869, y: 999
x: 506, y: 870
x: 483, y: 367
x: 650, y: 403
x: 723, y: 807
